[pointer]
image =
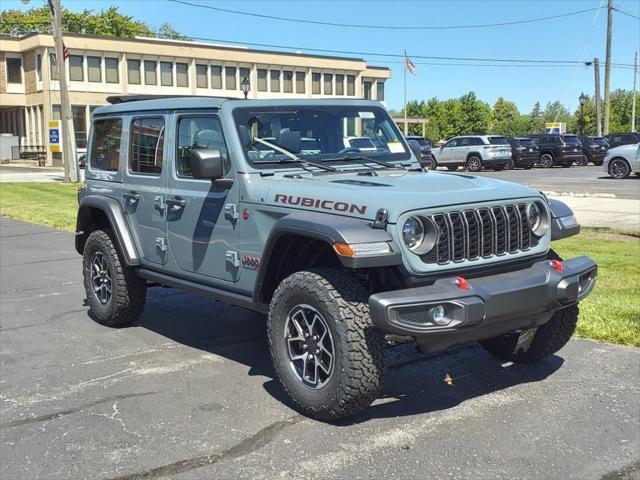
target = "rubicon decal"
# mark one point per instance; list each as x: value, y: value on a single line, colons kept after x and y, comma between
x: 331, y: 205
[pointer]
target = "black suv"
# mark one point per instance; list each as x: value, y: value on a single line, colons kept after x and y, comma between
x: 524, y: 153
x: 558, y: 150
x: 426, y: 158
x: 594, y: 149
x: 618, y: 139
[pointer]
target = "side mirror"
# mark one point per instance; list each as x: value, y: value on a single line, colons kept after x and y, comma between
x: 207, y: 164
x: 415, y: 148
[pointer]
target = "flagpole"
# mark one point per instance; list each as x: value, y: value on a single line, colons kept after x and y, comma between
x: 406, y: 129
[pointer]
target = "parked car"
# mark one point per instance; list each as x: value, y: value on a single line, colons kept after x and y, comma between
x: 594, y: 149
x: 524, y: 153
x: 426, y: 159
x: 475, y: 152
x: 561, y: 150
x: 342, y: 250
x: 621, y: 161
x: 619, y: 139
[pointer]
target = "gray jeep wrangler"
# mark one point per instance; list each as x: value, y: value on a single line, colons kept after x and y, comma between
x: 262, y: 204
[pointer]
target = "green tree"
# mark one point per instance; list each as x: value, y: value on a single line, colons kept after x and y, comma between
x: 474, y: 115
x: 589, y: 113
x: 505, y: 118
x: 167, y: 31
x: 536, y: 119
x: 556, y: 112
x: 620, y: 111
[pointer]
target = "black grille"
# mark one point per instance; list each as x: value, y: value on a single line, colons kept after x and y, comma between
x: 485, y: 232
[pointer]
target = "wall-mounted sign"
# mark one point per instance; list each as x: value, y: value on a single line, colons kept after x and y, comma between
x: 55, y: 136
x: 555, y: 128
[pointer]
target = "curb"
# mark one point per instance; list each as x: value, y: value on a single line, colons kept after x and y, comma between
x: 579, y: 195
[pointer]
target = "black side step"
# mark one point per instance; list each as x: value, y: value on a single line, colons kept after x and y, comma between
x: 225, y: 296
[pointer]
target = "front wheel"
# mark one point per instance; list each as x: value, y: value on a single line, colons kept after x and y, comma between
x: 326, y: 353
x: 474, y: 164
x: 619, y: 169
x: 546, y: 160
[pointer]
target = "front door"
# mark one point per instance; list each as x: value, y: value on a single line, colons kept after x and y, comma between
x: 143, y: 194
x: 447, y: 152
x: 201, y: 217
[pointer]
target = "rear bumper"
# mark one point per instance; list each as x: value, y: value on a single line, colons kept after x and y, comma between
x: 491, y: 306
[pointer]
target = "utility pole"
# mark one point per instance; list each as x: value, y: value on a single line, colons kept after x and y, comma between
x: 596, y: 72
x: 607, y: 67
x: 69, y: 160
x: 633, y: 102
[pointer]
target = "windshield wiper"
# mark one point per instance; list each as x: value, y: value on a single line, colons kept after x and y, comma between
x: 293, y: 158
x: 362, y: 159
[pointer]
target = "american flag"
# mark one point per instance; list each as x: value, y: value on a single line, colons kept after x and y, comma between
x: 409, y: 64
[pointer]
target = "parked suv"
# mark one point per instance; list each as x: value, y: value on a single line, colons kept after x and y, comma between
x: 561, y: 150
x: 426, y: 159
x: 621, y: 161
x: 524, y: 153
x: 594, y: 149
x: 619, y: 139
x: 342, y: 250
x: 475, y: 152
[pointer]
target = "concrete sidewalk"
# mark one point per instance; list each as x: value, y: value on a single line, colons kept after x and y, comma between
x: 604, y: 212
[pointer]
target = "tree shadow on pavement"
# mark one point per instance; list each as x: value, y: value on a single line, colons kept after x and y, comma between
x: 415, y: 383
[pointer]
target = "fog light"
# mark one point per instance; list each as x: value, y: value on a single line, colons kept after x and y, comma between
x: 438, y: 315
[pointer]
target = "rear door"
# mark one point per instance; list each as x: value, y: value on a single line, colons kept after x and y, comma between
x: 143, y: 194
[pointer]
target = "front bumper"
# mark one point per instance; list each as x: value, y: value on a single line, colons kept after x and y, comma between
x: 492, y: 305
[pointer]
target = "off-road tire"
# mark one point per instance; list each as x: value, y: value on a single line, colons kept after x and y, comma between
x: 128, y: 291
x: 359, y: 364
x: 474, y: 163
x: 547, y: 340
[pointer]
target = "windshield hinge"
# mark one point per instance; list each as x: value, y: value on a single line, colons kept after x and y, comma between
x: 382, y: 219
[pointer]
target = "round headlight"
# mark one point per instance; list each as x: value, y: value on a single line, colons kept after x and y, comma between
x: 413, y: 232
x: 536, y: 218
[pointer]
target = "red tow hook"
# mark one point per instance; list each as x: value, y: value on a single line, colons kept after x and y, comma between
x: 462, y: 283
x: 557, y: 265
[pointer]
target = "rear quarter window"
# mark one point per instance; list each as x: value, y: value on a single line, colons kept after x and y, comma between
x: 106, y: 144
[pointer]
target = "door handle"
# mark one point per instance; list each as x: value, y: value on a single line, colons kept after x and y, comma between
x: 176, y: 204
x: 132, y: 196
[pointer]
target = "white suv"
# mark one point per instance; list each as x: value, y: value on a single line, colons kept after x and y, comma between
x: 474, y: 151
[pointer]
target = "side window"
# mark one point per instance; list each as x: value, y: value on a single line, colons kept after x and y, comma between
x: 147, y: 142
x: 465, y: 142
x: 452, y: 143
x: 105, y: 144
x: 203, y: 132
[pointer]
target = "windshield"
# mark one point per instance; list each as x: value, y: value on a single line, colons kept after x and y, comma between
x: 599, y: 141
x: 571, y: 139
x: 318, y: 133
x: 498, y: 141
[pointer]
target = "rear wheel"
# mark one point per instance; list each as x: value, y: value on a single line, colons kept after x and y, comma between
x: 546, y: 160
x: 619, y: 169
x: 115, y: 294
x: 325, y: 350
x: 474, y: 164
x: 433, y: 164
x: 509, y: 165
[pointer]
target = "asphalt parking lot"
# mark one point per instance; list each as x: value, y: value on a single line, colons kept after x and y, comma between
x: 188, y: 393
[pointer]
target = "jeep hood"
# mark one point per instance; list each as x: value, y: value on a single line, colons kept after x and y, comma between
x: 361, y: 196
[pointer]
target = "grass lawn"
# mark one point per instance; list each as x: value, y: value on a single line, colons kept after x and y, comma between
x: 611, y: 313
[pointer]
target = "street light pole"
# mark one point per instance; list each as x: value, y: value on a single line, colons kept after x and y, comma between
x: 582, y: 99
x: 245, y: 86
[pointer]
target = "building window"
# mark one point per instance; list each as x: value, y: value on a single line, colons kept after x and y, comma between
x: 94, y: 69
x: 230, y: 78
x: 182, y: 74
x: 202, y: 132
x: 166, y: 74
x: 133, y: 72
x: 315, y: 83
x: 339, y: 84
x: 351, y: 85
x: 262, y: 80
x: 111, y: 70
x: 150, y: 75
x: 53, y: 67
x: 367, y: 90
x: 56, y: 112
x: 39, y: 67
x: 328, y: 84
x: 287, y: 81
x: 76, y: 68
x: 105, y: 146
x: 275, y: 80
x: 201, y: 76
x: 216, y: 76
x: 300, y: 83
x: 14, y: 70
x: 380, y: 91
x: 147, y: 142
x: 78, y: 112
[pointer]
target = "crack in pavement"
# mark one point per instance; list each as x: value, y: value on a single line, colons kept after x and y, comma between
x: 44, y: 287
x: 52, y: 318
x: 62, y: 413
x: 32, y: 233
x: 34, y: 262
x: 245, y: 447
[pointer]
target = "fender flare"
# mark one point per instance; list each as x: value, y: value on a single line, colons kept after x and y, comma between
x: 563, y: 220
x: 477, y: 154
x: 330, y: 229
x: 116, y: 217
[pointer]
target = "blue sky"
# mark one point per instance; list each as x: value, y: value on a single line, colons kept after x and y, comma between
x: 559, y: 39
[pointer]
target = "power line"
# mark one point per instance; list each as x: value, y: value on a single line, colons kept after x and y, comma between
x: 625, y: 13
x: 380, y: 27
